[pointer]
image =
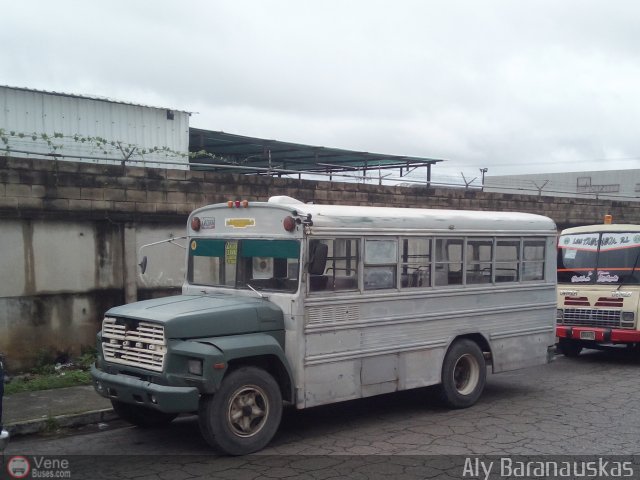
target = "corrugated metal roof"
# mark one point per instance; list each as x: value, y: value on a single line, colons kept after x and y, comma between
x: 92, y: 97
x: 259, y: 153
x: 142, y: 129
x: 41, y: 124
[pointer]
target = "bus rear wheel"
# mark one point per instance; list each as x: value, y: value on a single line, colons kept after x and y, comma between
x: 244, y: 415
x: 464, y: 374
x: 570, y: 348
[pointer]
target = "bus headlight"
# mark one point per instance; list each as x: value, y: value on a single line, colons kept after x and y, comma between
x: 195, y: 366
x: 560, y: 316
x: 628, y: 319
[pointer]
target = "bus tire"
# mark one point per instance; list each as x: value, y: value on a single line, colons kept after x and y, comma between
x: 141, y: 416
x: 570, y: 348
x: 244, y: 415
x: 464, y: 374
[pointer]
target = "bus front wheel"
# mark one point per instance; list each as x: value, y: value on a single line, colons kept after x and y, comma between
x: 570, y: 348
x: 464, y: 373
x: 244, y: 415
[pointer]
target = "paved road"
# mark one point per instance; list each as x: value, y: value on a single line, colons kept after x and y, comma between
x: 582, y: 406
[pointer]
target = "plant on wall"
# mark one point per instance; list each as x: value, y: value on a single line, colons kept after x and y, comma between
x: 18, y: 142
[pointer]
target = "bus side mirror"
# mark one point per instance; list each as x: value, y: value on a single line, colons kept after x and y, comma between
x: 143, y: 265
x: 318, y: 258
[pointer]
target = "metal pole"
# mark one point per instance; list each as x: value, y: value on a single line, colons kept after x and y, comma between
x: 483, y: 171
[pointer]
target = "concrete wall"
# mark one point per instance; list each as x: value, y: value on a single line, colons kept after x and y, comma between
x: 70, y: 233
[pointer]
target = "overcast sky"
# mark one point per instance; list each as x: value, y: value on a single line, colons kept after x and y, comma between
x: 513, y: 86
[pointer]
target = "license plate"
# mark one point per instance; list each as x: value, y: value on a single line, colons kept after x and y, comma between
x: 587, y: 335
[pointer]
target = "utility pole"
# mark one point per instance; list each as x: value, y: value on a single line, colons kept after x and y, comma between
x: 483, y: 171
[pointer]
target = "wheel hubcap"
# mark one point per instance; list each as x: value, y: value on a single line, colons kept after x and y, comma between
x: 466, y: 374
x: 248, y: 411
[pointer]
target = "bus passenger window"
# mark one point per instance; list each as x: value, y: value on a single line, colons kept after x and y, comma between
x: 479, y: 257
x: 415, y: 262
x: 380, y: 263
x: 507, y: 260
x: 449, y: 261
x: 317, y: 263
x: 341, y: 266
x: 533, y: 260
x: 344, y: 264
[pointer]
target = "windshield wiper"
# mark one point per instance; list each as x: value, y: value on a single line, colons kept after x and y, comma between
x: 257, y: 292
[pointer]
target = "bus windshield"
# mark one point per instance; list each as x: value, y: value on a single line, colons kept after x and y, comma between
x: 247, y: 263
x: 602, y: 258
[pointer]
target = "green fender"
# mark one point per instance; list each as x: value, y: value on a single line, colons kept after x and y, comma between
x: 255, y: 349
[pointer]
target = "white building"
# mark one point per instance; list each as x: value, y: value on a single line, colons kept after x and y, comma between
x: 623, y: 185
x: 40, y: 124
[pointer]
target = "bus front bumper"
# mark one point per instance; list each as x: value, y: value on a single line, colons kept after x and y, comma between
x: 138, y: 392
x: 598, y: 334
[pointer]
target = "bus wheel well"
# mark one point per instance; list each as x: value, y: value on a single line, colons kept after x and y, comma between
x: 481, y: 341
x: 269, y: 363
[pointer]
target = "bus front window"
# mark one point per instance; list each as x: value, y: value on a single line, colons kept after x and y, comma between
x: 607, y: 258
x: 619, y: 258
x: 260, y: 264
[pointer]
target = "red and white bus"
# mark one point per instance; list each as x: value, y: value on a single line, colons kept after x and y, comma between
x: 598, y: 286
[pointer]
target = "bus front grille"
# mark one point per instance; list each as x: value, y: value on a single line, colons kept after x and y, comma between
x: 591, y: 317
x: 133, y: 343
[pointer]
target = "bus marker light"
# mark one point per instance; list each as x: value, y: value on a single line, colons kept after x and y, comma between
x: 238, y: 203
x: 608, y: 219
x: 195, y: 224
x: 289, y: 223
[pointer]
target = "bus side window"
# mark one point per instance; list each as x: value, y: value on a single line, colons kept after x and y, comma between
x: 380, y: 263
x: 333, y: 264
x: 317, y: 264
x: 507, y: 260
x: 479, y: 258
x: 533, y: 259
x: 449, y: 261
x: 344, y: 264
x: 415, y: 262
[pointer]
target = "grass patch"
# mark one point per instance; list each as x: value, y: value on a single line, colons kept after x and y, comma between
x: 51, y: 425
x: 47, y: 381
x: 54, y: 371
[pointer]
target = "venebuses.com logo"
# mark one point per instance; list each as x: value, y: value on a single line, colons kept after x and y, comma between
x: 19, y: 466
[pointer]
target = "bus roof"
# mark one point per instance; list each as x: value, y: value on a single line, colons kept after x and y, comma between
x: 602, y: 227
x: 404, y: 219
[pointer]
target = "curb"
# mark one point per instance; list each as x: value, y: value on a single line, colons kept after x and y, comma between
x: 30, y: 427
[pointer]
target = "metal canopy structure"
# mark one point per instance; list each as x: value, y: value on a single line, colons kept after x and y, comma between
x: 220, y: 151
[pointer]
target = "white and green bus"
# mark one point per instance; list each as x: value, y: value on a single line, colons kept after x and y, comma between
x: 292, y: 303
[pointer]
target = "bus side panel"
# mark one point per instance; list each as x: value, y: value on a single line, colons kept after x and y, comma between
x: 356, y: 347
x: 347, y: 380
x: 421, y: 368
x: 333, y: 382
x: 512, y: 353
